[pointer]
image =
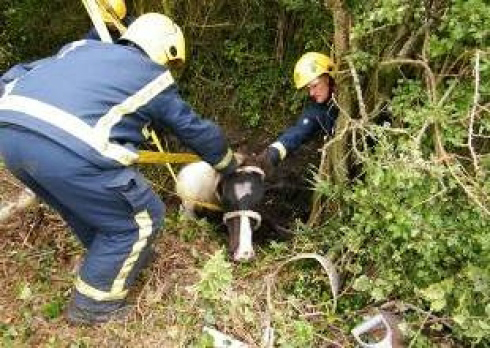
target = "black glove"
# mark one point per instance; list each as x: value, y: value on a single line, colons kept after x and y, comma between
x: 268, y: 160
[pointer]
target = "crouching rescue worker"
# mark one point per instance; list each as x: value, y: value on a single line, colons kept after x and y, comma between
x: 69, y: 130
x: 314, y: 72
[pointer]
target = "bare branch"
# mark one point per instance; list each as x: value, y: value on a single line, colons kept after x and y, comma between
x: 447, y: 93
x: 418, y: 139
x: 468, y: 191
x: 357, y: 85
x: 476, y: 97
x: 409, y: 44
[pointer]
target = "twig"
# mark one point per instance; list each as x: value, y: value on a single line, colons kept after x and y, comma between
x: 419, y: 330
x: 357, y: 85
x: 421, y: 133
x: 217, y: 25
x: 409, y: 44
x: 485, y: 107
x: 476, y: 97
x: 390, y: 129
x: 444, y: 157
x: 354, y: 147
x: 447, y: 93
x: 468, y: 191
x: 329, y: 341
x: 441, y: 192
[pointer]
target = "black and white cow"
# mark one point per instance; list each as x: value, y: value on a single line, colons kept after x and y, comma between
x: 199, y: 186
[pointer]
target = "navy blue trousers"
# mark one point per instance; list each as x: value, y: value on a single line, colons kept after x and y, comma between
x: 113, y: 212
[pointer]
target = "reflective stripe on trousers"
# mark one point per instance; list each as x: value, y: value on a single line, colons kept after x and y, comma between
x: 117, y: 213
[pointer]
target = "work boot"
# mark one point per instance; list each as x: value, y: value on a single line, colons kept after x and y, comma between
x: 84, y: 316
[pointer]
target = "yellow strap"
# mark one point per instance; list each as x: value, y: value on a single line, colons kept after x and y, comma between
x: 146, y: 157
x: 210, y: 206
x: 114, y: 17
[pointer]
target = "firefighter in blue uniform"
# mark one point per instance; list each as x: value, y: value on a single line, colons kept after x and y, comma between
x: 69, y: 130
x: 313, y: 71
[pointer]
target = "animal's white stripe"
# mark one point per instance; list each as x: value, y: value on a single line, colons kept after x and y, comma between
x: 245, y: 249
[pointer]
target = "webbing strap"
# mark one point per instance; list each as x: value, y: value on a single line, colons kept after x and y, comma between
x: 146, y: 157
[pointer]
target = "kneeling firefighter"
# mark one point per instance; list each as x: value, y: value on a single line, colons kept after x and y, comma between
x: 69, y: 130
x: 313, y: 71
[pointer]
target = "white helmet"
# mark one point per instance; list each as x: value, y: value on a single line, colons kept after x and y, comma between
x: 158, y: 36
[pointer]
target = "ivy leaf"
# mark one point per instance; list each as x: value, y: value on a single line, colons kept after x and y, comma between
x: 438, y: 305
x: 460, y: 319
x: 362, y: 283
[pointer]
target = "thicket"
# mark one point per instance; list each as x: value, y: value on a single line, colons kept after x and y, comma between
x: 410, y: 230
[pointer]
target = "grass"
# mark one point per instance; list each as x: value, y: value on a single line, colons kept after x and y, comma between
x: 190, y: 285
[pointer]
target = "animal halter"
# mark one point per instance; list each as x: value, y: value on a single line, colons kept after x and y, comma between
x: 244, y: 213
x: 247, y: 213
x: 251, y: 169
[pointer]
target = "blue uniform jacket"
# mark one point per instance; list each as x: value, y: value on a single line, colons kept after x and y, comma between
x: 19, y: 70
x: 97, y: 98
x: 315, y: 118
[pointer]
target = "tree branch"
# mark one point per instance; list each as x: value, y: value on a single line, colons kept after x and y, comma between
x: 357, y: 85
x: 476, y: 97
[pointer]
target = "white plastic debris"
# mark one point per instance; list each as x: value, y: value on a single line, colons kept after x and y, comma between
x: 222, y: 340
x: 25, y: 199
x: 374, y: 323
x: 268, y: 337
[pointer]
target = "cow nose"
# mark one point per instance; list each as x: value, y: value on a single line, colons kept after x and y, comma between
x: 244, y: 255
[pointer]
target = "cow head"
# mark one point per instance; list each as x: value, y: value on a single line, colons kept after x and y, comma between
x: 241, y: 193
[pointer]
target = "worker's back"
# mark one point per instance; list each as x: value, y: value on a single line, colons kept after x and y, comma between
x: 86, y: 80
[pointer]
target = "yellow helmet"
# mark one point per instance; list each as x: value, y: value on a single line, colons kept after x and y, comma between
x: 310, y: 66
x: 117, y: 6
x: 158, y: 36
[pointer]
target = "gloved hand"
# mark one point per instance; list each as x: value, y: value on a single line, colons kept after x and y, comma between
x: 235, y: 162
x: 268, y: 160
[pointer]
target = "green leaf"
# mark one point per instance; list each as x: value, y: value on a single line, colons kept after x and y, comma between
x: 362, y: 283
